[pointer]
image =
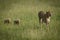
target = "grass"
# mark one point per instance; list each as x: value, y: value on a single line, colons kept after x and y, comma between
x: 27, y: 12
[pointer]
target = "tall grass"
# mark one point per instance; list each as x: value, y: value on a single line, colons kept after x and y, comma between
x: 29, y: 27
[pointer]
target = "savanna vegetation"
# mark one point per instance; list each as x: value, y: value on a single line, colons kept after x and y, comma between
x: 29, y: 27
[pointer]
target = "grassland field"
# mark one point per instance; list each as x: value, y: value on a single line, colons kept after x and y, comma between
x: 29, y: 27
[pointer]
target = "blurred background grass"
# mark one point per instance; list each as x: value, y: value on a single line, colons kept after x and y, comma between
x: 27, y: 12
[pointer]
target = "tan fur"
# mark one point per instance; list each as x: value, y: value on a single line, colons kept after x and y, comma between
x: 48, y: 20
